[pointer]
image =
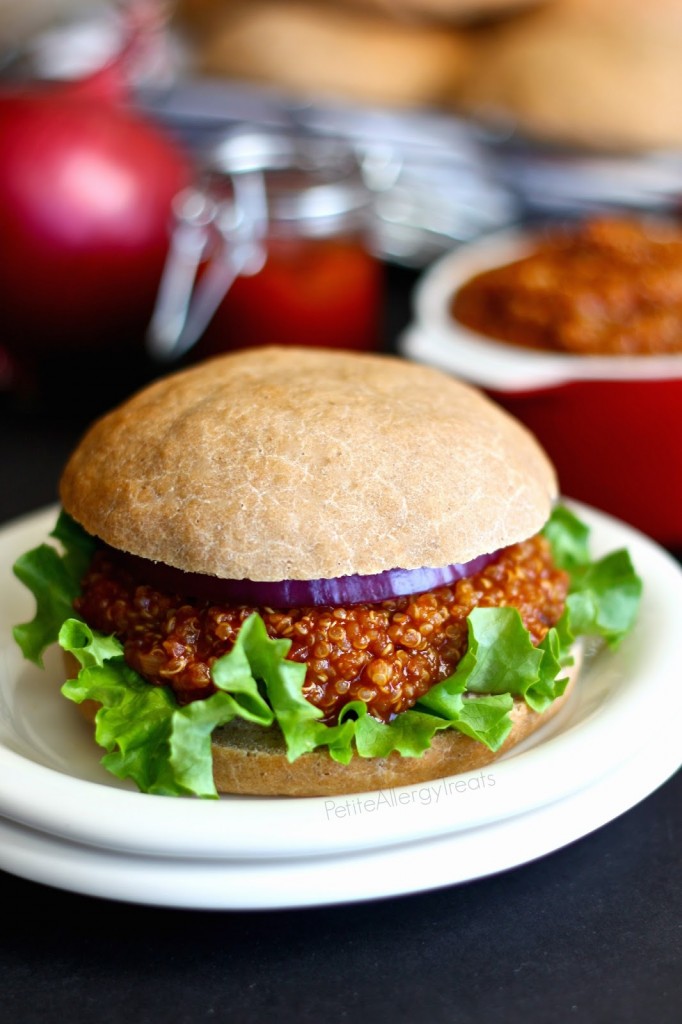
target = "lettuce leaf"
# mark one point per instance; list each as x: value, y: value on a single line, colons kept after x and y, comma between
x: 54, y: 580
x: 166, y: 749
x: 501, y: 659
x: 568, y: 537
x: 485, y: 719
x: 604, y: 596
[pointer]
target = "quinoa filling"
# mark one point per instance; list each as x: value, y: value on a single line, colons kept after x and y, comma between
x: 387, y: 654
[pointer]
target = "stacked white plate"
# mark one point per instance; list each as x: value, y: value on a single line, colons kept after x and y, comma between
x: 65, y: 822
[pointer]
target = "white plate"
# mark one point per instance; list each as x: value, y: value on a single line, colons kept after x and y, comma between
x: 305, y: 882
x: 435, y: 337
x: 51, y: 780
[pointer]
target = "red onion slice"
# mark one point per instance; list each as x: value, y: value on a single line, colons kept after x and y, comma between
x: 340, y: 590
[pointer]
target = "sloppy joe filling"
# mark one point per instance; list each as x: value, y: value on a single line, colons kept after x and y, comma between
x: 387, y: 655
x: 607, y: 286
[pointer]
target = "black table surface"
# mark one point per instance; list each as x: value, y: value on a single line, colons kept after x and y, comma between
x: 591, y: 932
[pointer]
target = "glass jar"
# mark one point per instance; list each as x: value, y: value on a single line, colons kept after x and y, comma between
x: 273, y: 246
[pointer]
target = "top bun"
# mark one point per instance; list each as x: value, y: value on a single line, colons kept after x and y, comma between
x: 297, y: 463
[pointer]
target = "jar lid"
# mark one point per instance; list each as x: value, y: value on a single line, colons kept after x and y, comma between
x: 310, y: 182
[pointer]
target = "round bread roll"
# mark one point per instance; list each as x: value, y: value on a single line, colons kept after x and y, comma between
x: 251, y: 761
x: 603, y: 76
x: 447, y: 11
x: 327, y: 51
x: 299, y: 464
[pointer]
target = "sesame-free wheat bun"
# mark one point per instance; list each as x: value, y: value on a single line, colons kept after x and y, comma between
x: 280, y: 463
x: 304, y: 465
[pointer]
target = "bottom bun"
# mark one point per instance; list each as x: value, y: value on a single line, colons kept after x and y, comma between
x: 249, y: 760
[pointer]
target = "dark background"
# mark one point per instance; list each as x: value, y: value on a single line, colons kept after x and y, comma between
x: 592, y: 932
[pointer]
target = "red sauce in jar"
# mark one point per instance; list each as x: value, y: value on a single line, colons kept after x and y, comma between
x: 302, y: 210
x: 311, y: 291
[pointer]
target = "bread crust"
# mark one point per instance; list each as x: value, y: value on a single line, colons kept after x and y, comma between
x: 251, y: 761
x: 283, y: 463
x: 327, y: 50
x: 446, y: 12
x: 585, y: 73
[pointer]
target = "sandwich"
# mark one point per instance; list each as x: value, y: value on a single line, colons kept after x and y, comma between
x: 302, y: 572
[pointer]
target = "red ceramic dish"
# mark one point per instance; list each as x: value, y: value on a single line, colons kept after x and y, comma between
x: 611, y: 424
x: 616, y: 444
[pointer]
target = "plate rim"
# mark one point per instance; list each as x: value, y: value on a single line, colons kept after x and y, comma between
x: 277, y: 885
